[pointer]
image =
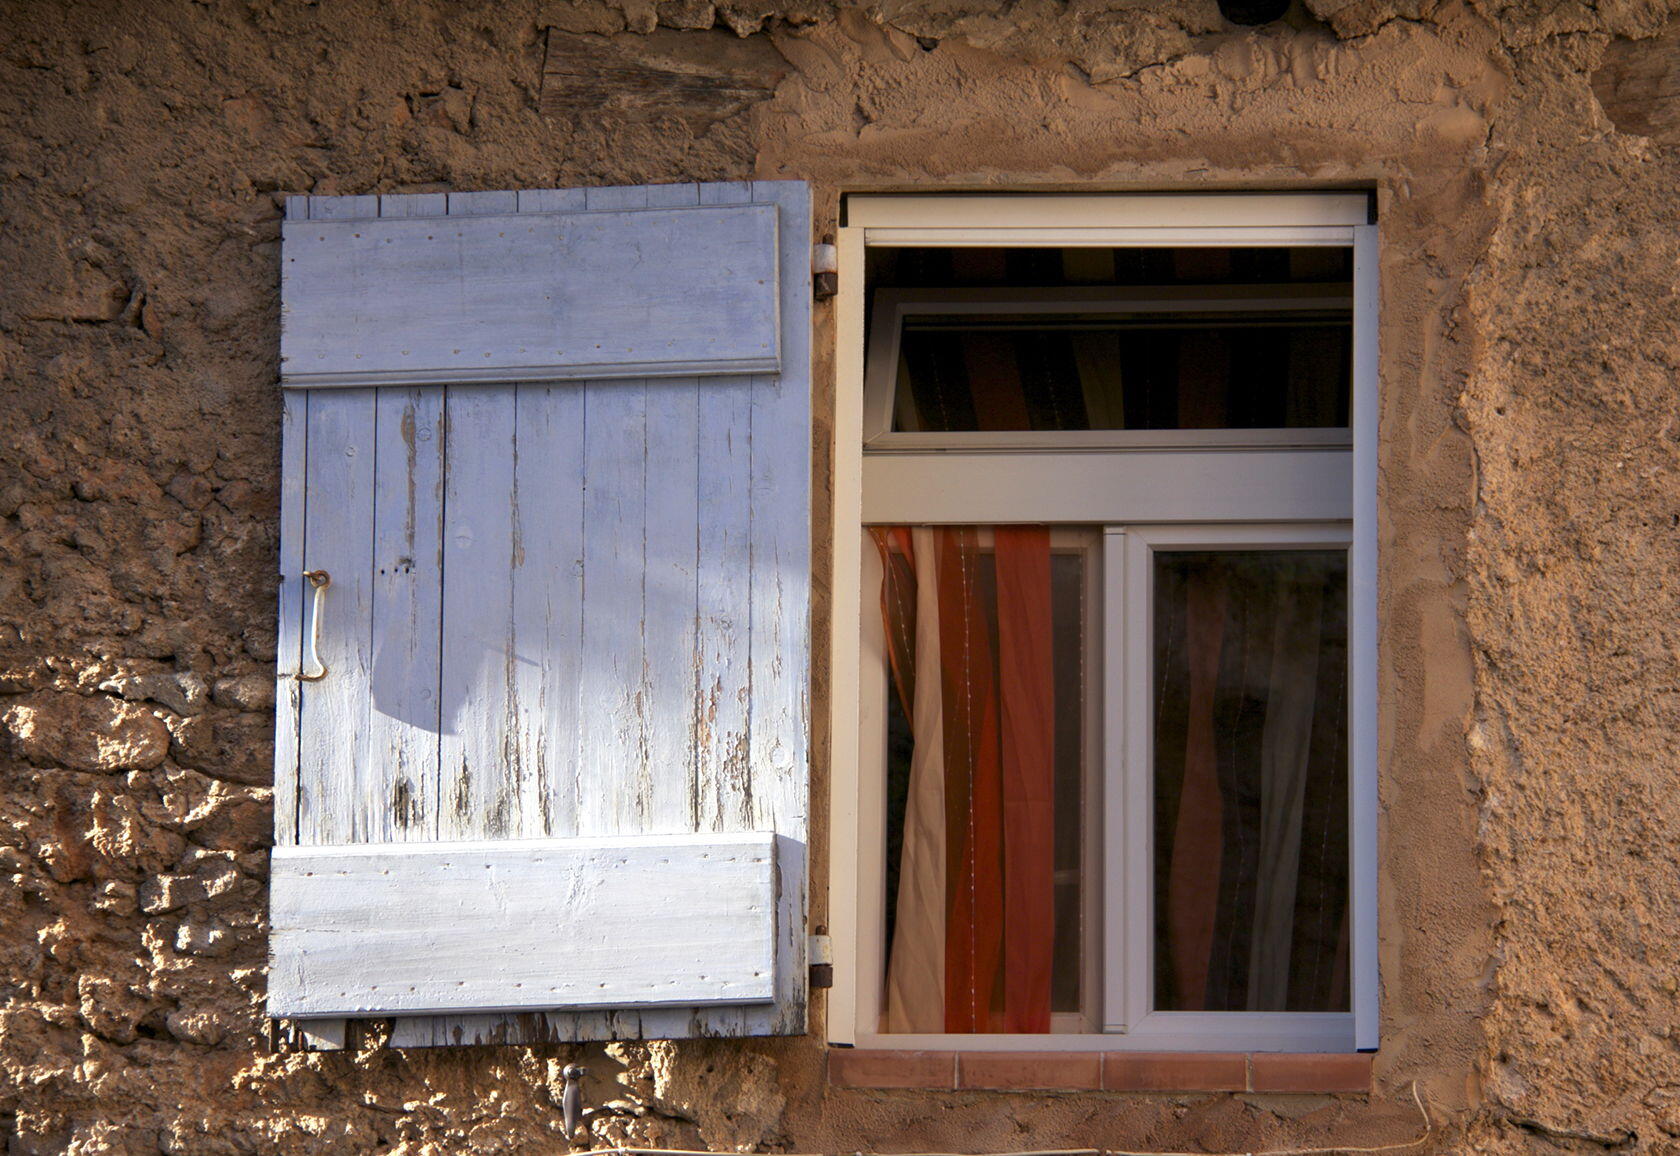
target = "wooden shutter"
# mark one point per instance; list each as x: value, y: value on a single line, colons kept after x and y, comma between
x: 552, y: 449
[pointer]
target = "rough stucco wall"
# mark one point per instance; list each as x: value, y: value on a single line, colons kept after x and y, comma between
x: 1571, y: 570
x: 1530, y: 521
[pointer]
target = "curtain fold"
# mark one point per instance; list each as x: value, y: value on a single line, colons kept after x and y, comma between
x: 969, y: 624
x: 1027, y: 679
x: 1198, y: 842
x: 1285, y: 751
x: 915, y: 996
x: 1251, y: 781
x: 973, y: 787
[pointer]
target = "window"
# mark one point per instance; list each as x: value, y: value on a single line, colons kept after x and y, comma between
x: 1105, y: 588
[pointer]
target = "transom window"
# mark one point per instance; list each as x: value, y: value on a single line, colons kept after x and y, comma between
x: 1111, y: 625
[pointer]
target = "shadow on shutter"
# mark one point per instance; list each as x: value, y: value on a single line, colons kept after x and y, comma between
x: 554, y: 449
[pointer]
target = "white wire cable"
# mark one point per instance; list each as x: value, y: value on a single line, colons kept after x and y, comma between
x: 1333, y: 1150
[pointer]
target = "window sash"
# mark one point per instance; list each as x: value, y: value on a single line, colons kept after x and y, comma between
x: 856, y: 912
x: 1129, y: 810
x: 894, y: 306
x: 1119, y: 959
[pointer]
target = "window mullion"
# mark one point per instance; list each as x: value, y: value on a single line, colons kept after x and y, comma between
x: 1128, y: 899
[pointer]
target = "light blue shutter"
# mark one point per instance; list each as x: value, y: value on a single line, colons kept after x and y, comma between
x: 552, y: 449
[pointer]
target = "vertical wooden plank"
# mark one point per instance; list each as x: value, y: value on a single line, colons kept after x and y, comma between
x: 723, y: 768
x: 343, y: 208
x: 780, y: 594
x: 613, y: 694
x: 323, y: 1035
x: 621, y: 197
x: 672, y: 196
x: 338, y: 538
x: 481, y: 777
x: 548, y: 602
x: 413, y: 205
x: 294, y: 429
x: 726, y: 193
x: 550, y: 200
x: 483, y: 204
x: 326, y: 789
x: 672, y: 515
x: 397, y: 797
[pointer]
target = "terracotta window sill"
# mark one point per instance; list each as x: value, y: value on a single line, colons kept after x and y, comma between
x: 1101, y: 1071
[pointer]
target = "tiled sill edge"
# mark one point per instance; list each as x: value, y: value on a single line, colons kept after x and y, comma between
x: 1102, y: 1071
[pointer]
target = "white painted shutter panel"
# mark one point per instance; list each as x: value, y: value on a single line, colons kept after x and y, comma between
x: 553, y: 450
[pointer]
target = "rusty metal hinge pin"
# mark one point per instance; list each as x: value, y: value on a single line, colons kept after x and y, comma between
x: 825, y: 269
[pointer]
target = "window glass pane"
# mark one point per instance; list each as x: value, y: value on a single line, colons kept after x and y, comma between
x: 986, y: 809
x: 1278, y: 357
x: 1086, y: 371
x: 1251, y: 780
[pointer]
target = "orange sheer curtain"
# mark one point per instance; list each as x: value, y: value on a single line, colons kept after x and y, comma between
x: 968, y: 622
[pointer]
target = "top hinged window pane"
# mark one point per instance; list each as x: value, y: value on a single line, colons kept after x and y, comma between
x: 1109, y: 346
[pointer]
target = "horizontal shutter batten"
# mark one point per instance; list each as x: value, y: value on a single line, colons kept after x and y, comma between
x: 554, y: 923
x: 500, y: 298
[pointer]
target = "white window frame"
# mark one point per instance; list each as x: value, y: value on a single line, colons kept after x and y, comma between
x: 1286, y: 491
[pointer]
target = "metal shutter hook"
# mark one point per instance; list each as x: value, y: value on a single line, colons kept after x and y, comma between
x: 319, y: 580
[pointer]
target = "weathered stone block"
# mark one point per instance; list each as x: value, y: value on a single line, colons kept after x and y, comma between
x: 184, y: 693
x: 163, y: 893
x: 252, y: 692
x: 94, y: 733
x: 1638, y: 85
x: 197, y: 1027
x: 234, y: 747
x: 203, y: 937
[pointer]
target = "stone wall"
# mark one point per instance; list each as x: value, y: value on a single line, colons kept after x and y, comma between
x: 1531, y: 517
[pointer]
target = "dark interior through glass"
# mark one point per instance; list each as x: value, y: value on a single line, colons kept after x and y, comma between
x: 1251, y: 805
x: 1273, y: 362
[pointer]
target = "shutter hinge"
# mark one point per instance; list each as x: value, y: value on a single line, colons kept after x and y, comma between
x: 825, y: 269
x: 820, y: 949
